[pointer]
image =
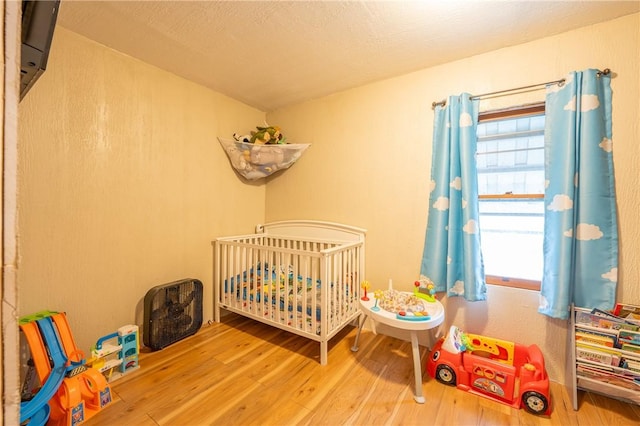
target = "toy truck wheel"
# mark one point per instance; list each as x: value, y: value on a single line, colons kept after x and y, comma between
x: 446, y: 375
x: 534, y: 402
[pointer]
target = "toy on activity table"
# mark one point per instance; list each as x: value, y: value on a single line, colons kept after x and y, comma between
x: 500, y: 370
x: 116, y: 354
x: 365, y: 286
x: 378, y: 294
x: 406, y: 306
x: 425, y: 283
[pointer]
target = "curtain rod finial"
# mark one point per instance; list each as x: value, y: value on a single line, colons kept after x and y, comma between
x: 441, y: 103
x: 606, y: 71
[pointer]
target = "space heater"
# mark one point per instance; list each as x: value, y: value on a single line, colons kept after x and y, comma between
x: 172, y: 312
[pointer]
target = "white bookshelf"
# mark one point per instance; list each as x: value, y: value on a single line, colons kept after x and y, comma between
x: 609, y: 380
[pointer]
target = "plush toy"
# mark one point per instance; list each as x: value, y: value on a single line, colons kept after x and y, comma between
x: 243, y: 138
x: 262, y: 152
x: 267, y: 157
x: 265, y: 135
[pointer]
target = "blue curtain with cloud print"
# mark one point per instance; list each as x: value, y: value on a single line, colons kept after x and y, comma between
x: 581, y: 232
x: 452, y: 258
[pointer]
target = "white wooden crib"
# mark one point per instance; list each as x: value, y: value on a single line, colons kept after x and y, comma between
x: 301, y: 276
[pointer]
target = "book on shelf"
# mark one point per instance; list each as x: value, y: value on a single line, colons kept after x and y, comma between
x: 605, y: 314
x: 602, y: 319
x: 587, y: 351
x: 628, y: 381
x: 629, y: 336
x: 614, y: 318
x: 623, y: 372
x: 607, y: 351
x: 628, y: 359
x: 594, y: 355
x: 630, y: 347
x: 604, y: 339
x: 597, y: 347
x: 631, y: 365
x: 627, y: 311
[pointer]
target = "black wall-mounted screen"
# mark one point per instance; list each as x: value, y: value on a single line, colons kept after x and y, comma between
x: 38, y: 23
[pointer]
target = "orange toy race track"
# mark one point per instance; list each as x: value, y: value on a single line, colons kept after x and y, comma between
x: 80, y: 391
x: 37, y: 410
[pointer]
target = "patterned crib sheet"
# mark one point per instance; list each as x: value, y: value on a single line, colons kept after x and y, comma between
x: 263, y: 283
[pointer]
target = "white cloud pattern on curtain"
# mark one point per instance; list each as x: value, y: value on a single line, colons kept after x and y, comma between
x: 452, y: 259
x: 581, y: 231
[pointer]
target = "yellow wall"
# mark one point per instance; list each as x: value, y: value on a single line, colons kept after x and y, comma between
x: 122, y: 184
x: 370, y: 160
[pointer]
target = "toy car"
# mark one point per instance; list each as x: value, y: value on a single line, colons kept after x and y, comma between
x: 503, y: 371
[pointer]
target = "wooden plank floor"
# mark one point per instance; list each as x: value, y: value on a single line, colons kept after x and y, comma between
x: 241, y: 372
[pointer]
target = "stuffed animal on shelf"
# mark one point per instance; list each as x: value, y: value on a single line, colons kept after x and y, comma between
x: 265, y: 135
x: 262, y: 152
x: 242, y: 138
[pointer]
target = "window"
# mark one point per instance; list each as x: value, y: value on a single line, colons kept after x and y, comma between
x: 511, y: 184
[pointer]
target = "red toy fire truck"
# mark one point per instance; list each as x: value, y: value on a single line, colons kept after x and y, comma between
x: 503, y: 371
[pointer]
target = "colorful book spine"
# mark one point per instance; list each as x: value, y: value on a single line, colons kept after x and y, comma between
x: 632, y: 365
x: 631, y: 348
x: 607, y: 340
x: 604, y: 322
x: 596, y: 356
x: 629, y: 336
x: 625, y: 310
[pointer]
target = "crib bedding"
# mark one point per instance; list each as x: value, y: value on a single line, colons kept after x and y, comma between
x: 300, y: 276
x: 261, y: 284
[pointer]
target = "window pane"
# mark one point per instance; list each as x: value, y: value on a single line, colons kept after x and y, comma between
x: 510, y: 160
x: 512, y: 237
x: 510, y: 156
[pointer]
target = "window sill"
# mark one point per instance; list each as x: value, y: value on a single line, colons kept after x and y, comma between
x: 513, y: 282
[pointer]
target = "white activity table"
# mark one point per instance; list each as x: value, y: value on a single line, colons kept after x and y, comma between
x: 436, y: 317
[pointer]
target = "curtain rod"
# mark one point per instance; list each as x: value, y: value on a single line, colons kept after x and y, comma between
x: 560, y: 82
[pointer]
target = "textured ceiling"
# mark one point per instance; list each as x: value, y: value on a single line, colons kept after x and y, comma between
x: 270, y: 54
